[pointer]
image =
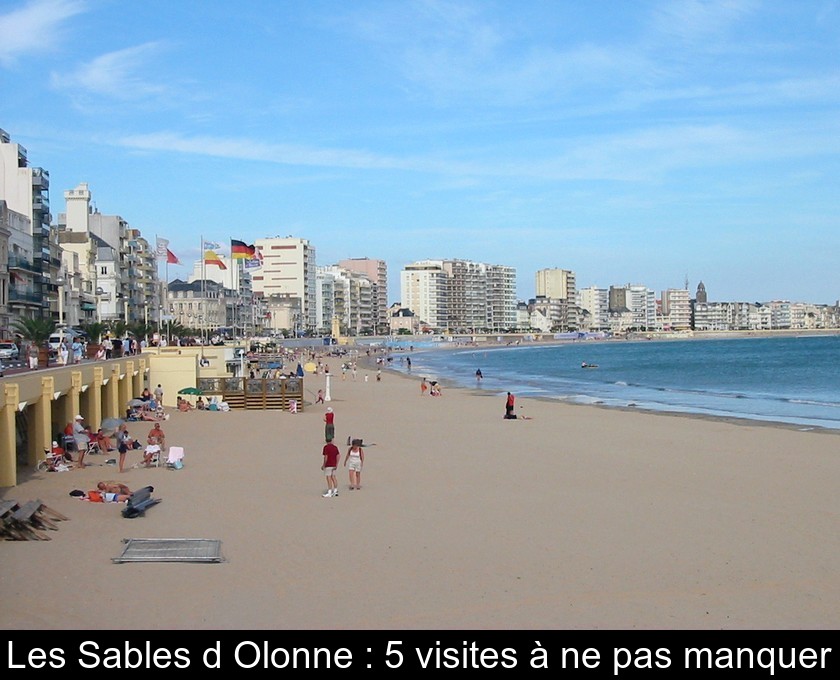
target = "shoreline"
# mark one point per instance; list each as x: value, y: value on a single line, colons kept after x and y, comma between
x: 664, y: 410
x: 577, y: 518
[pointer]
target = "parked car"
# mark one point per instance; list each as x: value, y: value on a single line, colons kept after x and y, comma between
x: 9, y: 350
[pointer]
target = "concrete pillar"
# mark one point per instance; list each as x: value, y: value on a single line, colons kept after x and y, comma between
x: 126, y: 387
x: 110, y: 405
x: 8, y: 452
x: 40, y: 437
x: 94, y: 400
x: 140, y: 378
x: 72, y: 402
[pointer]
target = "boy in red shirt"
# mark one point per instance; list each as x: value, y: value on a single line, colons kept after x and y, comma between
x: 331, y: 456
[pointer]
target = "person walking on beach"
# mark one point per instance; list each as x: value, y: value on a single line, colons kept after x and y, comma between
x: 320, y: 398
x: 329, y: 425
x: 356, y: 457
x: 331, y: 455
x: 408, y: 363
x: 478, y: 375
x: 159, y: 395
x: 423, y: 387
x: 509, y: 406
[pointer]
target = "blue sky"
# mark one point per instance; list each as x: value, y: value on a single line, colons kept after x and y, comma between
x: 631, y: 142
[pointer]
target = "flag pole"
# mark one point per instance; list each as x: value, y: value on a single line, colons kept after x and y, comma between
x: 203, y: 293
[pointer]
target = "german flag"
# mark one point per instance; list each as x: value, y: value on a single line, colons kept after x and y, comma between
x: 239, y: 250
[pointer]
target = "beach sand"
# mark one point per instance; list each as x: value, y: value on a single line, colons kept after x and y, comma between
x: 577, y: 518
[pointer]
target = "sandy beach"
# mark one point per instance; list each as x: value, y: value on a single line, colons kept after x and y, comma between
x: 577, y: 518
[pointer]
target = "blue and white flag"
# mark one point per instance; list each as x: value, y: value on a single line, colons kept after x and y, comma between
x: 162, y: 245
x: 253, y: 263
x: 211, y: 245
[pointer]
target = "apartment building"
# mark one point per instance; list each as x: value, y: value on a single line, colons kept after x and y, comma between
x: 348, y: 297
x: 424, y: 290
x: 376, y: 272
x: 594, y: 306
x: 118, y: 266
x: 33, y: 248
x: 676, y: 309
x: 288, y: 271
x: 560, y: 284
x: 460, y: 295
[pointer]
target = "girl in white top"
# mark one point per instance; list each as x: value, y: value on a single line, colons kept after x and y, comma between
x: 356, y: 457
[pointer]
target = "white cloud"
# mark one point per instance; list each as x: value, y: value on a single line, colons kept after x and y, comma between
x: 34, y: 27
x: 115, y: 74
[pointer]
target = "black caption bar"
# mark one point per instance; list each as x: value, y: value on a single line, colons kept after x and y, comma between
x: 615, y: 654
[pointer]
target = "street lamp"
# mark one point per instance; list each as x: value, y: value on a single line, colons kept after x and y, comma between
x: 99, y: 293
x: 242, y: 363
x: 60, y: 283
x: 327, y: 396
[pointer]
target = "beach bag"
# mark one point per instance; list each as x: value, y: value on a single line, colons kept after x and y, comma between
x: 178, y: 464
x: 95, y: 497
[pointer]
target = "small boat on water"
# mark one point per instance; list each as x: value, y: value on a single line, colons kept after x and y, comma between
x: 585, y: 365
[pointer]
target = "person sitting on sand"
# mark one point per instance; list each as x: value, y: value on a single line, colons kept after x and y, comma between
x: 103, y: 441
x: 184, y: 405
x: 157, y: 437
x: 199, y: 404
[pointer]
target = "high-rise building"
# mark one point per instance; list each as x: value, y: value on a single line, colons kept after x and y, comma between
x: 377, y: 273
x: 560, y: 285
x: 460, y: 296
x: 596, y: 303
x: 119, y: 267
x: 348, y: 297
x: 33, y: 247
x: 676, y: 309
x: 288, y: 271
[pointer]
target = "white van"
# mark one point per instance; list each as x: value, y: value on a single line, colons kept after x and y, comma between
x: 55, y: 339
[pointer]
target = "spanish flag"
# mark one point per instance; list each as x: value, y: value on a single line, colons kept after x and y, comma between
x: 239, y: 250
x: 213, y: 258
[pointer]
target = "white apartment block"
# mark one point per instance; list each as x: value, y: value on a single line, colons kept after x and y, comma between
x: 288, y: 271
x: 423, y: 290
x: 118, y: 267
x: 352, y: 302
x: 596, y: 301
x: 676, y: 309
x: 376, y: 272
x: 641, y: 301
x: 559, y: 284
x: 460, y: 296
x: 33, y: 247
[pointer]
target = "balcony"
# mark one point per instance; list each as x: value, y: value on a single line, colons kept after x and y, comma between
x: 18, y: 262
x: 26, y: 297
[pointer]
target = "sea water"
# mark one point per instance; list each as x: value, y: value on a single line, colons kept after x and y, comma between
x: 794, y: 380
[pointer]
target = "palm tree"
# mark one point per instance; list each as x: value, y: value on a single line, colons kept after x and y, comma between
x: 94, y: 331
x: 37, y: 332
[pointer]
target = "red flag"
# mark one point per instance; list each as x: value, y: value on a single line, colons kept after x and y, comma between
x: 170, y: 257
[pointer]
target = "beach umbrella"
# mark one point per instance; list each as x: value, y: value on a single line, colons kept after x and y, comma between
x: 136, y: 402
x: 111, y: 425
x: 299, y: 371
x: 310, y: 367
x: 190, y: 390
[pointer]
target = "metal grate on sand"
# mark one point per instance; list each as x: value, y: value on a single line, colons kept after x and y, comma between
x: 170, y: 550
